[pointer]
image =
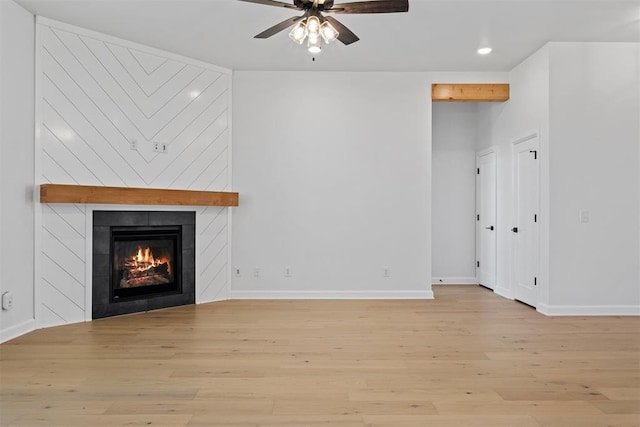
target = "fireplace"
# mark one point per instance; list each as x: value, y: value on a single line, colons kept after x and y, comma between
x: 145, y: 261
x: 142, y: 260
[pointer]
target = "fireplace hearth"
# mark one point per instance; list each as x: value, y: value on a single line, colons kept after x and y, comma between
x: 142, y: 260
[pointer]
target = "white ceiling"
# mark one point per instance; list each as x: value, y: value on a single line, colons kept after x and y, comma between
x: 435, y: 35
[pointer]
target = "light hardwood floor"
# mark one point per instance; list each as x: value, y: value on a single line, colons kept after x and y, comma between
x: 468, y: 358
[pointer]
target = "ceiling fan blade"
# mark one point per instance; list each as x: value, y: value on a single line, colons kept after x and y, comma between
x: 273, y: 3
x: 372, y: 6
x: 345, y: 35
x: 278, y: 27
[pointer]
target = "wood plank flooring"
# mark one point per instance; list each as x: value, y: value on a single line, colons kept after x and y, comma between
x: 468, y: 358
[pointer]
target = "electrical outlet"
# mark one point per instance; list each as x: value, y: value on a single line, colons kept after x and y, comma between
x: 133, y: 144
x: 386, y: 271
x: 7, y: 301
x: 236, y: 272
x: 256, y: 271
x: 160, y: 147
x: 288, y: 271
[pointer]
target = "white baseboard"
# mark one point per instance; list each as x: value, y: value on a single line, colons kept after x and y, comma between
x: 589, y: 310
x: 426, y: 294
x: 454, y: 281
x: 17, y: 330
x: 503, y: 292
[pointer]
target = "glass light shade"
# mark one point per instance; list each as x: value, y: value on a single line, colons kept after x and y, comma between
x: 314, y: 44
x: 328, y: 33
x: 314, y: 38
x: 313, y: 24
x: 298, y: 33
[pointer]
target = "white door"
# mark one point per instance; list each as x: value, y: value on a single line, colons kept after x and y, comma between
x: 486, y: 224
x: 525, y: 227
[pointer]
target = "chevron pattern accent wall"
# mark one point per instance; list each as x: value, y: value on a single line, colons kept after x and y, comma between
x: 103, y: 106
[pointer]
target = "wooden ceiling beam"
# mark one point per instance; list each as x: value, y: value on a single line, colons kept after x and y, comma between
x: 470, y: 92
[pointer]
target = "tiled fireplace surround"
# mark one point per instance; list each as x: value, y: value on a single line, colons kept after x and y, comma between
x: 103, y: 221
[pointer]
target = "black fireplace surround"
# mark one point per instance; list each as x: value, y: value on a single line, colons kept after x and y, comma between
x: 142, y: 260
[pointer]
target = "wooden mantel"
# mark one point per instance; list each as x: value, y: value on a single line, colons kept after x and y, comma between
x: 57, y: 193
x: 470, y: 92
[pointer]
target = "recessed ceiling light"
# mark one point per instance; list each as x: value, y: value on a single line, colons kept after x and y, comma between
x: 484, y: 50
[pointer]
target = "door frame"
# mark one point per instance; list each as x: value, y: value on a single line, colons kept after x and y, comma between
x: 491, y: 150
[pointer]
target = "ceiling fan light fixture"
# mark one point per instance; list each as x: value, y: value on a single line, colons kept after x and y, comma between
x: 328, y: 33
x: 313, y: 24
x: 316, y: 28
x: 299, y: 33
x: 314, y: 38
x: 313, y: 44
x: 315, y: 49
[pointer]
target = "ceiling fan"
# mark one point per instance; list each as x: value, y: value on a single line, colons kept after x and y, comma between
x: 314, y: 26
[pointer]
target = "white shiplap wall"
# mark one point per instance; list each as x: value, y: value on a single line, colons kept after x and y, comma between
x: 95, y: 94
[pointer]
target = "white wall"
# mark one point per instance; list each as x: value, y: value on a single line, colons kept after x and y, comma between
x: 501, y: 124
x: 96, y: 93
x: 594, y: 166
x: 583, y: 99
x: 453, y: 192
x: 16, y: 167
x: 333, y: 173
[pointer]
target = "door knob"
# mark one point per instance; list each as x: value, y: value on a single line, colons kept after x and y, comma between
x: 514, y: 229
x: 490, y: 227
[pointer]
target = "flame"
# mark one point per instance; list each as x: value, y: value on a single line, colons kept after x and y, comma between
x: 144, y: 261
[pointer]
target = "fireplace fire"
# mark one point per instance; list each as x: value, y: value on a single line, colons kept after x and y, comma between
x: 136, y: 270
x: 142, y: 269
